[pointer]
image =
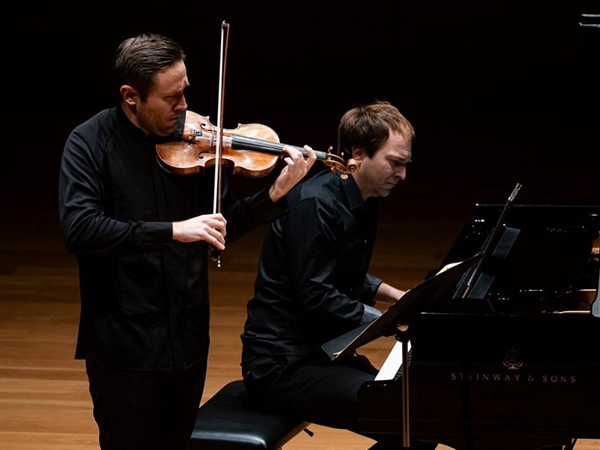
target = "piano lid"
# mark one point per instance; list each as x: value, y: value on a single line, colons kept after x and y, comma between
x: 546, y: 252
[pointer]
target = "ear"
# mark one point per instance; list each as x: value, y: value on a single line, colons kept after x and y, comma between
x: 129, y: 94
x: 359, y: 153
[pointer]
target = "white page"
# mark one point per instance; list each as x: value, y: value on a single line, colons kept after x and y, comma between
x: 392, y: 364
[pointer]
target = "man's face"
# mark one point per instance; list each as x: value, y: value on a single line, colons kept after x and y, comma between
x: 379, y: 174
x: 160, y: 112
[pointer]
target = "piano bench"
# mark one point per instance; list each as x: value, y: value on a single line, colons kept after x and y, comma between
x: 225, y: 422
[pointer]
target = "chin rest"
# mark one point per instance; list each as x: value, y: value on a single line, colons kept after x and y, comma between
x: 226, y: 422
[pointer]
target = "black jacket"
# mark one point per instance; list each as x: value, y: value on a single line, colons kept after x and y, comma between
x: 313, y: 281
x: 144, y: 296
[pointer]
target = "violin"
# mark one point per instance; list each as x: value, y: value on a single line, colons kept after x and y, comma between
x: 250, y: 149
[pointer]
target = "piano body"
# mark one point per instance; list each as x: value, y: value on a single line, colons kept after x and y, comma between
x: 515, y: 364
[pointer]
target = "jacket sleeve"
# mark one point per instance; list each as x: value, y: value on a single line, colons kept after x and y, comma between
x: 85, y: 226
x: 247, y: 213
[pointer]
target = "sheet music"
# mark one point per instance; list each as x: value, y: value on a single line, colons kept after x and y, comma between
x: 393, y: 362
x: 404, y: 310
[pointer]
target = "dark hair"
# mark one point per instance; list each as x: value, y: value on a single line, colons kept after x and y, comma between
x: 139, y: 59
x: 369, y: 126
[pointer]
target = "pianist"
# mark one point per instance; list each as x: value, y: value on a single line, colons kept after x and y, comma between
x: 313, y: 282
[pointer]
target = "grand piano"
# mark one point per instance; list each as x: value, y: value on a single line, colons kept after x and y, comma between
x: 511, y: 359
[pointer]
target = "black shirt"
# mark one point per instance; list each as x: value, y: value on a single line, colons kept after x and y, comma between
x: 312, y: 280
x: 144, y: 296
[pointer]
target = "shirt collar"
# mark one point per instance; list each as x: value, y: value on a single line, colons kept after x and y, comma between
x: 128, y: 124
x: 353, y: 194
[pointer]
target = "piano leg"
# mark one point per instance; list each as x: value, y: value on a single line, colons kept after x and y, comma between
x: 403, y: 338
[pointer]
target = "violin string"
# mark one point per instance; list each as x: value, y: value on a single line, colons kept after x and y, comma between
x: 245, y: 142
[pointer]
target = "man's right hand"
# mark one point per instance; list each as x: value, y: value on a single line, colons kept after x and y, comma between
x: 210, y: 228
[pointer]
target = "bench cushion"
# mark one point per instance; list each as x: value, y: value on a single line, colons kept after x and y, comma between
x: 225, y: 422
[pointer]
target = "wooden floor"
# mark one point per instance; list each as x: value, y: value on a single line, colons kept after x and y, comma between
x: 44, y: 401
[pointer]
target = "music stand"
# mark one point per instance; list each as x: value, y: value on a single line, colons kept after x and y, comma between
x: 397, y: 319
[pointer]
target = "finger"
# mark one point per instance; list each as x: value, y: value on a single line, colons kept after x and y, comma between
x: 219, y: 218
x: 312, y: 156
x: 218, y: 222
x: 216, y: 239
x: 295, y: 153
x: 311, y: 153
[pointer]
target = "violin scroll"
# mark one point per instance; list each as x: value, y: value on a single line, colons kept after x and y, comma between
x: 337, y: 163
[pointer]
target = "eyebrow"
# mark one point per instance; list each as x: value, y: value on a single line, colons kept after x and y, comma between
x: 402, y: 158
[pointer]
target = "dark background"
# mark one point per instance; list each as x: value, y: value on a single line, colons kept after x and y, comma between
x: 499, y: 92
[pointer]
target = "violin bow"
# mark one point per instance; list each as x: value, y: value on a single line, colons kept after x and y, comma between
x: 216, y: 254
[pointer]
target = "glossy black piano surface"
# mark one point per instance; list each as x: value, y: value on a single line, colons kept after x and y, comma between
x: 518, y: 367
x: 544, y: 268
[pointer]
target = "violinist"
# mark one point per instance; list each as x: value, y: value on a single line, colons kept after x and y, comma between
x: 313, y: 282
x: 141, y: 236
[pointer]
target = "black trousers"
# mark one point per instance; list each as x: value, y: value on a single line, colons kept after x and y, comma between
x: 144, y: 410
x: 320, y: 391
